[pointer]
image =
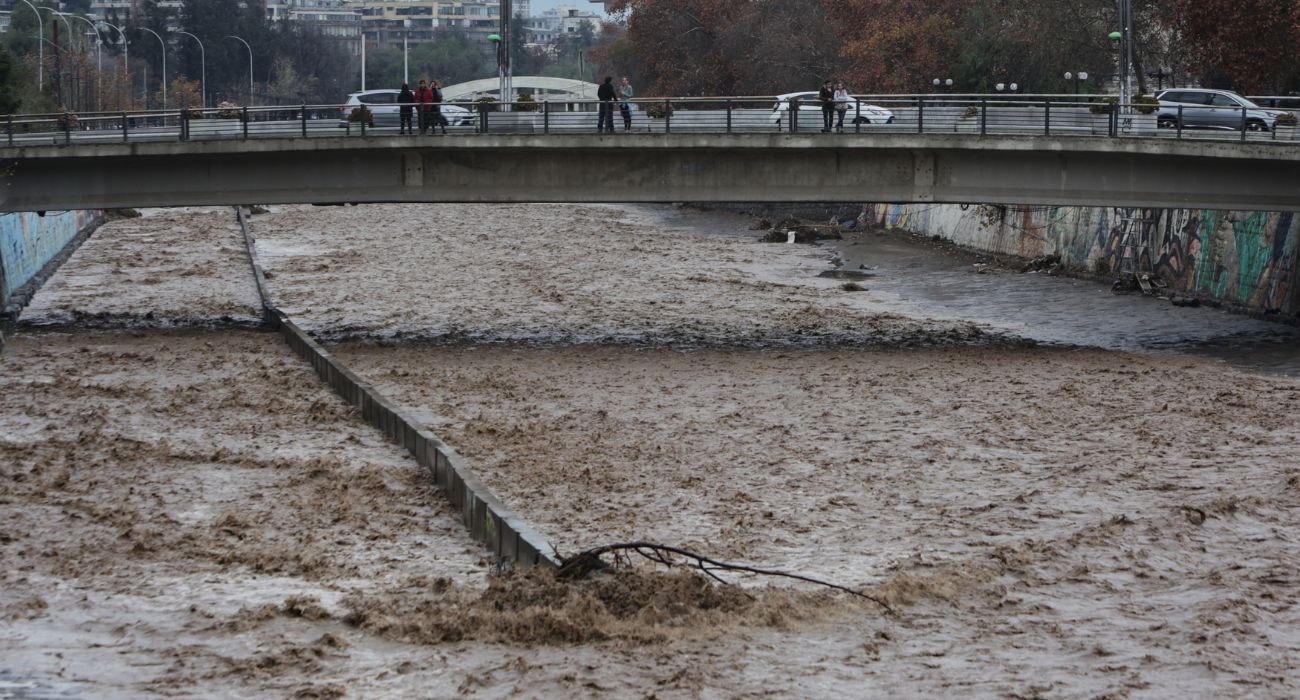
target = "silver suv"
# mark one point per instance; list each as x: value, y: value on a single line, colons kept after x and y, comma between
x: 1211, y: 109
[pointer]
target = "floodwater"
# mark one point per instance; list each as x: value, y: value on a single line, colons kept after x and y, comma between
x: 935, y: 281
x: 186, y: 511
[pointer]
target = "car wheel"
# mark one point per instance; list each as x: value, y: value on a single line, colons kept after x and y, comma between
x: 1256, y: 126
x: 861, y: 120
x: 1167, y: 123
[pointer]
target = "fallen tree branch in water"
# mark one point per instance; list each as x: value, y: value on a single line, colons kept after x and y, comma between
x: 584, y: 563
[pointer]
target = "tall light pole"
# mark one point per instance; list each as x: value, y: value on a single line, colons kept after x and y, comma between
x: 163, y: 44
x: 1076, y: 77
x: 99, y: 58
x: 1125, y: 37
x: 250, y: 66
x: 40, y: 48
x: 126, y: 51
x: 203, y: 69
x: 503, y: 56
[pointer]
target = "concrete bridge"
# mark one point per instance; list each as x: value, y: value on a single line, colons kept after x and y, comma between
x: 659, y: 167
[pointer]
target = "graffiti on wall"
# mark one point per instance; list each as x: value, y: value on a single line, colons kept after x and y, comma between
x: 29, y: 241
x: 1246, y: 258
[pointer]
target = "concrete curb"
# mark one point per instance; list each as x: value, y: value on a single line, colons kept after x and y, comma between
x: 488, y: 520
x: 14, y: 305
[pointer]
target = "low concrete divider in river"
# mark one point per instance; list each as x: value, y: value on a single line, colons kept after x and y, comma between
x: 488, y: 520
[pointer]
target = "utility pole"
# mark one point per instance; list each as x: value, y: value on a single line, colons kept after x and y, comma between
x: 503, y: 56
x: 1126, y: 51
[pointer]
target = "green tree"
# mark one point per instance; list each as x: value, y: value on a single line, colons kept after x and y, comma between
x: 11, y: 83
x: 145, y: 47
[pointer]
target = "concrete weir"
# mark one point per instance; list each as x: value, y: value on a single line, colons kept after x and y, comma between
x: 690, y: 167
x: 488, y: 520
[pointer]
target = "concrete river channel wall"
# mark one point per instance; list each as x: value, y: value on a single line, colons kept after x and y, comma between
x: 1240, y: 258
x: 32, y: 247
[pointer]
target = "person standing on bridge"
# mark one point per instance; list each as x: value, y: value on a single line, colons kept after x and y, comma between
x: 423, y: 103
x: 827, y: 97
x: 437, y: 120
x: 625, y: 103
x: 841, y: 105
x: 405, y: 100
x: 605, y: 121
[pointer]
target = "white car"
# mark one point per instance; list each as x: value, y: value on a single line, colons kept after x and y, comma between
x: 387, y: 112
x: 810, y: 109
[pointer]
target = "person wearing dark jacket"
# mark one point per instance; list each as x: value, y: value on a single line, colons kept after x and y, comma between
x: 424, y: 103
x: 405, y: 99
x: 606, y: 96
x: 437, y: 120
x: 827, y: 97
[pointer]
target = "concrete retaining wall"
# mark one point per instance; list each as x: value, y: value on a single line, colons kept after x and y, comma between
x: 1246, y: 259
x: 29, y: 242
x: 487, y: 519
x: 31, y: 248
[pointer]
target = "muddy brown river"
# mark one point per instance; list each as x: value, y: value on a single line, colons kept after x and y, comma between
x: 1058, y: 492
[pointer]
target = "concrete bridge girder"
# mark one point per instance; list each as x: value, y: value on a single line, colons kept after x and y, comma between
x: 657, y: 168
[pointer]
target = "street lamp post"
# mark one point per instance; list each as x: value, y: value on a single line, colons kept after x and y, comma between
x: 163, y: 44
x: 1076, y: 77
x: 99, y: 58
x: 40, y: 48
x: 250, y: 66
x: 126, y: 52
x: 203, y: 69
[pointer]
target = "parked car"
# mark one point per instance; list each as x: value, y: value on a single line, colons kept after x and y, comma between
x: 1211, y: 109
x: 810, y: 109
x: 385, y: 111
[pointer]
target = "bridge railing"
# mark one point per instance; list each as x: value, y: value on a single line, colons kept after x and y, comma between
x: 1018, y: 115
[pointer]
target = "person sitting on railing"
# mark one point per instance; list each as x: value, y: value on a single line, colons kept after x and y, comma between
x: 405, y: 98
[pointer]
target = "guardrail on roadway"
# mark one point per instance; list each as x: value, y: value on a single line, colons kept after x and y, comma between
x: 1051, y: 115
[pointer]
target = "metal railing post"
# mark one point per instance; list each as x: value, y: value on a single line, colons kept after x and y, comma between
x: 245, y: 117
x: 920, y: 115
x: 1047, y: 118
x: 67, y: 129
x: 363, y: 121
x: 668, y: 116
x: 1112, y: 125
x: 126, y: 129
x: 728, y: 116
x: 857, y: 117
x: 1180, y: 122
x: 1243, y: 123
x: 10, y: 129
x: 794, y: 115
x: 546, y: 117
x: 984, y: 116
x: 304, y: 120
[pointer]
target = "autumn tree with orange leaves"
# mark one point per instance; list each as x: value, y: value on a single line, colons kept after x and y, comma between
x: 764, y: 47
x: 1252, y: 46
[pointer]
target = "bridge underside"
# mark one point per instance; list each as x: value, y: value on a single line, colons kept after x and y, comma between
x: 657, y: 168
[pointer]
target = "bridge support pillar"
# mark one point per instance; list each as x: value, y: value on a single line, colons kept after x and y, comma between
x: 923, y: 175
